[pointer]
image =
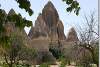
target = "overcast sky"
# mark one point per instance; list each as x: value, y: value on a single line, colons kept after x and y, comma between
x: 69, y: 19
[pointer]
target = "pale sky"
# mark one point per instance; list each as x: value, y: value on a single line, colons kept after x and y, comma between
x: 69, y: 19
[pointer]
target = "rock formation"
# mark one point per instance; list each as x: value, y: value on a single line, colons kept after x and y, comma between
x: 48, y: 25
x: 11, y: 29
x: 61, y: 30
x: 50, y: 15
x: 40, y: 28
x: 72, y: 35
x: 10, y: 26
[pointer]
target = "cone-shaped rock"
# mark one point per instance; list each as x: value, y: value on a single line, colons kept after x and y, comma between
x: 31, y: 32
x: 50, y: 15
x: 11, y: 12
x: 47, y: 23
x: 10, y: 26
x: 51, y: 18
x: 72, y: 35
x: 40, y: 28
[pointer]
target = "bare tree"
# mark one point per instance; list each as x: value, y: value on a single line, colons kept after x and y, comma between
x: 89, y: 37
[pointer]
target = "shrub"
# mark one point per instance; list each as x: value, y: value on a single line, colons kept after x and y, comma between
x: 44, y: 65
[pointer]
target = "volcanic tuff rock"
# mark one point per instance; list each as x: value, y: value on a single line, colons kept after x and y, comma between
x: 10, y: 26
x: 61, y: 30
x: 47, y: 27
x: 48, y: 24
x: 72, y: 35
x: 40, y: 28
x: 12, y: 29
x: 50, y: 15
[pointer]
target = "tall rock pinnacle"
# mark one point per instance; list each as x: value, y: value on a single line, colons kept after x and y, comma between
x: 50, y: 14
x: 47, y: 23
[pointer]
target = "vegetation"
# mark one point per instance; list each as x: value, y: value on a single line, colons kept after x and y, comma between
x: 10, y: 49
x: 87, y: 47
x: 56, y: 51
x: 44, y: 65
x: 16, y: 54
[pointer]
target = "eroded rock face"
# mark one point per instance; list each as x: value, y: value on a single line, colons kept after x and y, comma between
x: 48, y: 24
x: 39, y: 30
x: 50, y: 15
x: 12, y: 30
x: 44, y: 57
x: 47, y: 27
x: 72, y: 35
x: 51, y: 18
x: 11, y: 12
x: 61, y: 30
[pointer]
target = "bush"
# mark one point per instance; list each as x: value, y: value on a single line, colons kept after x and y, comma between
x: 63, y: 63
x: 44, y: 65
x: 56, y: 51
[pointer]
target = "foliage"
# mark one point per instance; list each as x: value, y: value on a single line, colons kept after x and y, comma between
x: 17, y: 51
x: 11, y: 48
x: 73, y: 6
x: 63, y: 62
x: 16, y: 19
x: 56, y: 51
x: 96, y: 53
x: 44, y: 65
x: 27, y: 54
x: 14, y: 65
x: 25, y: 4
x: 20, y: 22
x: 89, y: 40
x: 46, y: 58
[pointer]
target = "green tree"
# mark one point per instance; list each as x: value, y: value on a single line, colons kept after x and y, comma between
x: 5, y: 19
x: 17, y: 51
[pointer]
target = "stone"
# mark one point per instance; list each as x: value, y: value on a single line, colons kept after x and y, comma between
x: 50, y: 15
x: 72, y: 35
x: 61, y: 30
x: 11, y: 12
x: 48, y: 24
